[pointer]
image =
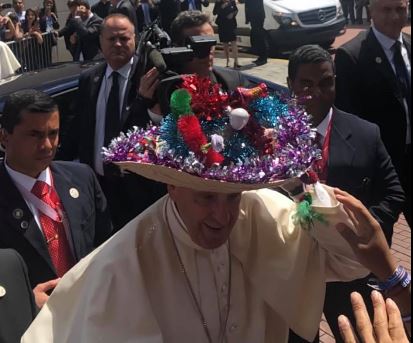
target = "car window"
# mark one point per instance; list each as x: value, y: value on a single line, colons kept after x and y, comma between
x: 67, y: 102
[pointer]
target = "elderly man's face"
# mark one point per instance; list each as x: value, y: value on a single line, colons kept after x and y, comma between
x: 200, y: 66
x: 389, y: 16
x: 209, y: 217
x: 117, y: 41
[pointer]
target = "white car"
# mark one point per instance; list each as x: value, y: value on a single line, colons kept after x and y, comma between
x: 292, y: 23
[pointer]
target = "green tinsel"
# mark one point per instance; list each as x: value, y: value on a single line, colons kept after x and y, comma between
x: 181, y: 103
x: 305, y: 215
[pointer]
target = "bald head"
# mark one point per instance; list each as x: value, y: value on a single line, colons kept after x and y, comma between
x: 389, y: 16
x: 117, y: 40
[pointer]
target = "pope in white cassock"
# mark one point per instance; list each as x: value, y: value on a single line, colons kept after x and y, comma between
x: 213, y: 261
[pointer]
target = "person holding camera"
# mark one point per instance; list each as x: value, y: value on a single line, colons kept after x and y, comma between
x: 226, y: 12
x: 104, y: 109
x: 186, y: 25
x: 7, y: 29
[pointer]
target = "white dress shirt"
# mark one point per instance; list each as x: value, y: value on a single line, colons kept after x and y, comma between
x: 24, y: 184
x: 103, y: 97
x: 387, y: 44
x: 323, y: 126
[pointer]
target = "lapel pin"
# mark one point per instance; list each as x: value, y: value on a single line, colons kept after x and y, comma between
x: 18, y: 213
x: 379, y: 60
x: 2, y: 292
x: 74, y: 193
x: 96, y: 79
x: 24, y: 225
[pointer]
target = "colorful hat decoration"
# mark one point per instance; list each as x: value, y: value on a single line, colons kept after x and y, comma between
x: 216, y: 141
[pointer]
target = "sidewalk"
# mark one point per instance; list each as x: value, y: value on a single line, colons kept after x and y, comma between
x: 276, y: 71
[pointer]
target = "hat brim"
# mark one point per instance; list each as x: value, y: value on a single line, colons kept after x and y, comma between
x: 174, y: 177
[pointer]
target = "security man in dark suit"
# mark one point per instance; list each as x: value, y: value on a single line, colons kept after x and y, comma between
x: 52, y: 213
x: 374, y: 82
x: 17, y: 306
x: 168, y: 11
x: 255, y: 15
x: 354, y: 159
x: 105, y: 108
x: 193, y: 5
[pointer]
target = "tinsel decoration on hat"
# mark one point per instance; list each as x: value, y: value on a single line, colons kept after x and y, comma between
x: 248, y: 136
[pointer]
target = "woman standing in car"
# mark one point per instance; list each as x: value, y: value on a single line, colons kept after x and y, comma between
x: 226, y: 12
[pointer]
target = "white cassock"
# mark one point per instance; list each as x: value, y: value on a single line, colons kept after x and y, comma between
x: 8, y: 62
x: 132, y: 289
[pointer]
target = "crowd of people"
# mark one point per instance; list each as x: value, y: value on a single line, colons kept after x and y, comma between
x: 166, y: 253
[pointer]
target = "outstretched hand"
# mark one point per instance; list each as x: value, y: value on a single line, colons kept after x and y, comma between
x: 369, y: 243
x: 387, y: 326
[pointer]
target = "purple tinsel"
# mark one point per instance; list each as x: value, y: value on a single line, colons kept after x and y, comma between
x: 293, y: 139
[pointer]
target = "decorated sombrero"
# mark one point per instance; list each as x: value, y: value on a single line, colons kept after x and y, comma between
x: 220, y: 142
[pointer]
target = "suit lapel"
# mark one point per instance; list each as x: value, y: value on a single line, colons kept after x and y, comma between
x: 408, y: 44
x: 341, y: 150
x: 130, y: 92
x: 22, y: 223
x: 382, y: 63
x: 65, y: 187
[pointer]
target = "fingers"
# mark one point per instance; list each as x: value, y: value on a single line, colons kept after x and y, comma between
x: 396, y: 326
x: 47, y: 286
x: 380, y: 322
x: 149, y: 83
x: 358, y: 213
x: 363, y: 323
x: 346, y: 330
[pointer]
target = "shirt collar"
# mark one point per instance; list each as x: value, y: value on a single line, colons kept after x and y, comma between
x: 27, y: 182
x: 323, y: 126
x: 386, y: 42
x: 123, y: 71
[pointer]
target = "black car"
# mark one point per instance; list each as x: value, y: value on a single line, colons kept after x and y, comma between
x: 62, y: 81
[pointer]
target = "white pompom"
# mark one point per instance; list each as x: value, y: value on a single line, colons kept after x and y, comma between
x: 239, y: 118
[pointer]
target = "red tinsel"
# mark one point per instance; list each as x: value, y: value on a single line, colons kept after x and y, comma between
x: 190, y: 129
x: 257, y: 137
x: 208, y: 101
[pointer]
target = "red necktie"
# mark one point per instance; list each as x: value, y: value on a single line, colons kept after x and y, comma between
x: 321, y: 165
x: 54, y: 231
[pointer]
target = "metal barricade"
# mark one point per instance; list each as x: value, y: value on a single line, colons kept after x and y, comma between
x: 32, y: 55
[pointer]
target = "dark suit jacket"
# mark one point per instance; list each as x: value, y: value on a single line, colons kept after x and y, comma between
x: 126, y: 7
x: 17, y: 306
x: 367, y: 87
x: 198, y: 4
x: 254, y: 10
x: 88, y: 218
x: 359, y: 164
x: 153, y: 12
x: 88, y: 36
x: 168, y: 10
x: 127, y: 195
